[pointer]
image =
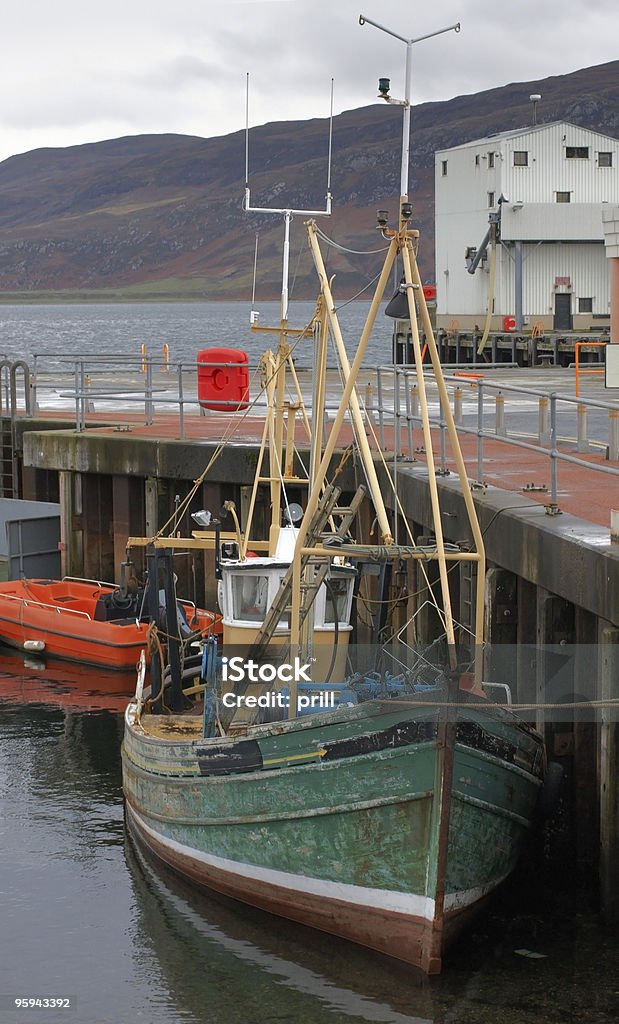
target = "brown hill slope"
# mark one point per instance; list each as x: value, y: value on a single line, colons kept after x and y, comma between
x: 159, y: 216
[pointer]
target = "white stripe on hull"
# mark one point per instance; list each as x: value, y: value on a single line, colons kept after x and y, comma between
x: 382, y: 899
x: 456, y: 901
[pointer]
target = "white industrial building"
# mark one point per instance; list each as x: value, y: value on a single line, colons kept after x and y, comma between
x: 523, y: 210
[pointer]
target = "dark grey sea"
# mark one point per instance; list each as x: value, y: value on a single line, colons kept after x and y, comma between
x: 57, y: 332
x: 85, y: 918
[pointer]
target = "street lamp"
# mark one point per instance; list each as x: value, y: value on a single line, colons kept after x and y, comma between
x: 405, y: 103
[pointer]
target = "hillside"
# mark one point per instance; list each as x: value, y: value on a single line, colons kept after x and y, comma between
x: 159, y: 216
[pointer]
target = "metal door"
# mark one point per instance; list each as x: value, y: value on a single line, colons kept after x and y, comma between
x: 563, y: 312
x: 33, y: 547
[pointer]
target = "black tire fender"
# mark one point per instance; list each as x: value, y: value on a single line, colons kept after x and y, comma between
x: 551, y: 787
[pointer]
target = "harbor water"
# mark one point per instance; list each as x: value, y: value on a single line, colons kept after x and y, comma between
x: 86, y: 918
x: 57, y: 333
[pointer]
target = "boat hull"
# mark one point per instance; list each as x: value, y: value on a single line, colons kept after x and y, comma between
x: 355, y: 851
x: 61, y: 616
x: 402, y: 935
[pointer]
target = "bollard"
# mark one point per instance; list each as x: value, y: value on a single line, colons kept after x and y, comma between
x: 553, y: 451
x: 34, y: 405
x: 613, y: 435
x: 582, y: 444
x: 369, y: 403
x: 499, y: 413
x: 381, y: 408
x: 79, y: 397
x: 410, y: 425
x: 397, y: 413
x: 149, y: 405
x: 90, y: 405
x: 480, y: 432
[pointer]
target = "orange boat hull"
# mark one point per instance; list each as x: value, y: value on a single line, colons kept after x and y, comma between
x: 61, y: 616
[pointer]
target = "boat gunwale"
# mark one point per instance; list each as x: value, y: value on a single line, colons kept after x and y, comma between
x: 364, y: 709
x: 455, y: 904
x: 35, y: 602
x: 189, y: 773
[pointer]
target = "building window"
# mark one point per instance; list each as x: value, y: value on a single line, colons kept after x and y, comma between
x: 521, y: 158
x: 577, y: 152
x: 490, y: 159
x: 605, y: 159
x: 444, y: 168
x: 490, y: 200
x: 585, y: 305
x: 563, y: 197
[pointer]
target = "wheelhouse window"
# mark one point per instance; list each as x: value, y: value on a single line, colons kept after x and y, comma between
x: 605, y: 159
x: 249, y: 596
x: 577, y: 152
x: 477, y: 159
x: 444, y: 168
x: 490, y: 159
x: 336, y: 603
x: 521, y: 158
x: 563, y: 197
x: 490, y: 200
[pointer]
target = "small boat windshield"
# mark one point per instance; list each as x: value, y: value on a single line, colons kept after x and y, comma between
x: 337, y: 600
x: 250, y: 596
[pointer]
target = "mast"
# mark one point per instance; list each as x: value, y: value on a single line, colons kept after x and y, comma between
x: 283, y: 359
x: 406, y: 102
x: 446, y: 737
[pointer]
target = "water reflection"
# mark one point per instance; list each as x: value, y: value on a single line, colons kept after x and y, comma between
x: 28, y: 678
x: 246, y: 965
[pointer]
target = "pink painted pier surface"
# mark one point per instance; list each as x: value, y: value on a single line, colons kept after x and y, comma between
x: 589, y: 495
x: 586, y: 494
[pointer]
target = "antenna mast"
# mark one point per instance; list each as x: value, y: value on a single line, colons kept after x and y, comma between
x: 287, y: 212
x: 406, y: 102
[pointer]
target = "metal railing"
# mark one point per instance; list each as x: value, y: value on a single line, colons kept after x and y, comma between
x: 9, y: 370
x: 587, y: 368
x: 567, y: 429
x: 490, y: 421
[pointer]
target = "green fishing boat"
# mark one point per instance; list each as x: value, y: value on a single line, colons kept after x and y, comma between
x: 382, y: 815
x: 335, y: 820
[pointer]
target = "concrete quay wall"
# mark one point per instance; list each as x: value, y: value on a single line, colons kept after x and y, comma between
x: 564, y: 555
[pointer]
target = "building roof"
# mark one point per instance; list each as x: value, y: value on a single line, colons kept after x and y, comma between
x: 530, y: 129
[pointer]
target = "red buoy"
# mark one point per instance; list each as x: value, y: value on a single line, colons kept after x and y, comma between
x: 509, y: 323
x: 223, y: 379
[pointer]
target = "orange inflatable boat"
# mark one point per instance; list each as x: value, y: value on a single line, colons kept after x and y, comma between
x: 84, y: 621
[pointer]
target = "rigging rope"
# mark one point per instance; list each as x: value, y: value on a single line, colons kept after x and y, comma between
x: 364, y: 289
x: 342, y: 248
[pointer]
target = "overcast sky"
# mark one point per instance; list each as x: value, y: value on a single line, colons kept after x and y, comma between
x: 74, y: 72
